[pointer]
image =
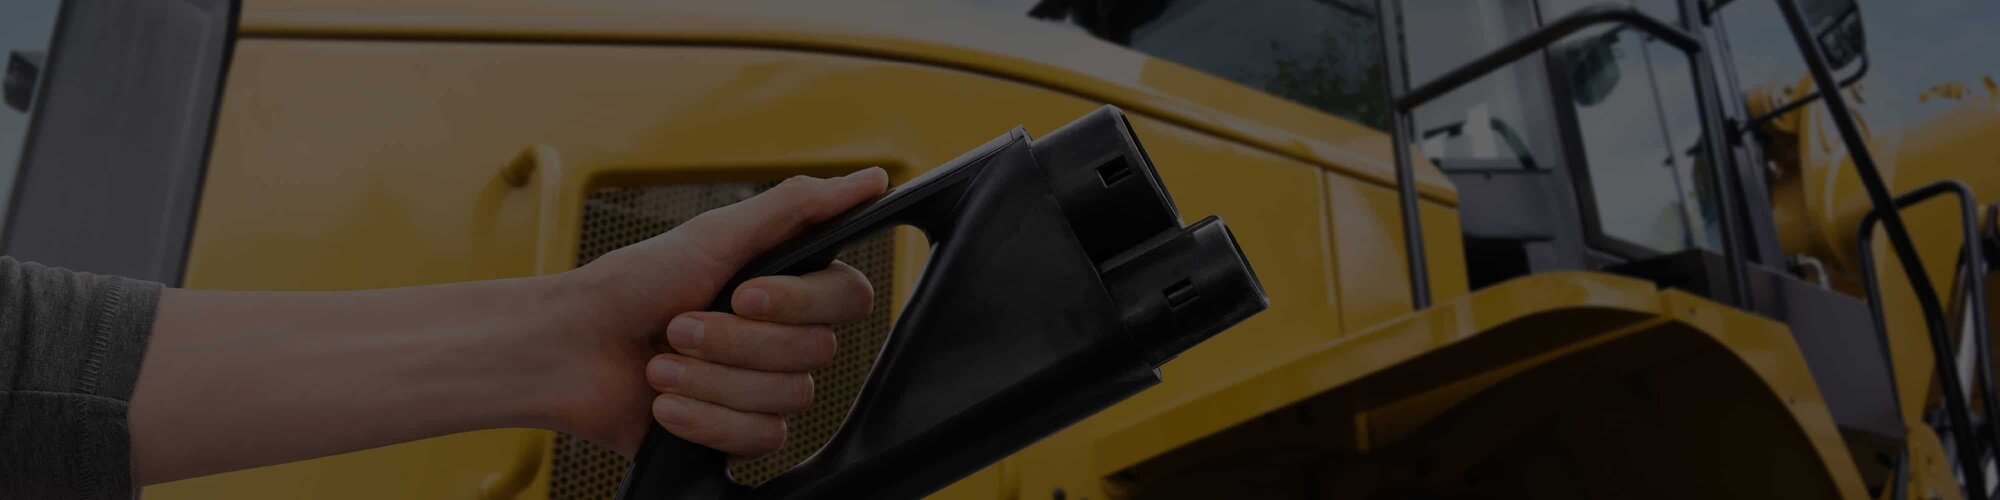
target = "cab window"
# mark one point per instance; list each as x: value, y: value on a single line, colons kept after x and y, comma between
x: 1639, y: 122
x: 1496, y: 122
x: 1320, y: 53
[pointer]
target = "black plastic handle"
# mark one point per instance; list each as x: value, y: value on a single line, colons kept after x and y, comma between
x: 1059, y: 279
x: 670, y: 467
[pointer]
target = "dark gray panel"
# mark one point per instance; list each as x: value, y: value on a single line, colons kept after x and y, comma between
x: 120, y: 136
x: 1848, y: 360
x: 1515, y: 221
x: 1835, y: 333
x: 1512, y: 204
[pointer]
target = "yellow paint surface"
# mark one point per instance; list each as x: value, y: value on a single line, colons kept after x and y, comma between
x: 353, y: 164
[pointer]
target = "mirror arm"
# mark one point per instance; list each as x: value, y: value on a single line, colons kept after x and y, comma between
x: 1760, y: 120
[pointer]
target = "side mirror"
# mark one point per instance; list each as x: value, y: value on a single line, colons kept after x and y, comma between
x: 1592, y: 65
x: 1837, y: 25
x: 24, y: 68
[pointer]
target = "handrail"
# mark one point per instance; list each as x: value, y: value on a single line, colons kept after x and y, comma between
x: 1992, y: 237
x: 1970, y: 461
x: 1403, y: 103
x: 1389, y: 18
x: 1547, y: 35
x: 1940, y: 341
x: 1725, y: 182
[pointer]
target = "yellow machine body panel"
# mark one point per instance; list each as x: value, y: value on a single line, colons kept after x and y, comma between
x: 367, y: 144
x: 349, y: 163
x: 1566, y: 343
x: 1818, y: 204
x: 1819, y: 201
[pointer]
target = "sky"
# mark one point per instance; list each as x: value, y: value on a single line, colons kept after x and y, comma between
x: 1913, y: 45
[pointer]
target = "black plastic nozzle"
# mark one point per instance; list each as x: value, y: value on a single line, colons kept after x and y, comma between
x: 1106, y: 184
x: 1059, y: 280
x: 24, y: 68
x: 1174, y: 286
x: 1183, y: 287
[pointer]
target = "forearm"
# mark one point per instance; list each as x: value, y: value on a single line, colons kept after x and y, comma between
x: 241, y: 379
x: 233, y: 380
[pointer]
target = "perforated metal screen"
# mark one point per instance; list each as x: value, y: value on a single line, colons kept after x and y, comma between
x: 616, y: 217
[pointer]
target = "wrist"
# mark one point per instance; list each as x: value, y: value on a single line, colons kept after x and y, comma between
x: 523, y: 326
x: 577, y: 333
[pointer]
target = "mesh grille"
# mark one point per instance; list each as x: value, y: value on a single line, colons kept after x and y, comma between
x: 613, y: 218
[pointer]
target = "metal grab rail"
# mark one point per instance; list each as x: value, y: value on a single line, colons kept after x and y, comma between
x: 1974, y: 256
x: 1389, y: 16
x: 1892, y: 220
x: 1548, y: 35
x: 1402, y: 103
x: 1992, y: 238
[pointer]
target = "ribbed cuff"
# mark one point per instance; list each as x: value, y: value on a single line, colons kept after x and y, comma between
x: 70, y: 351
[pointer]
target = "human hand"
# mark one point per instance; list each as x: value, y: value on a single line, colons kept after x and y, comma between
x: 727, y: 379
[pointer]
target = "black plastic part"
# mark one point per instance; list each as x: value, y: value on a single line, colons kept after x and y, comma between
x: 1054, y: 289
x: 1182, y: 288
x: 1103, y: 177
x: 24, y: 69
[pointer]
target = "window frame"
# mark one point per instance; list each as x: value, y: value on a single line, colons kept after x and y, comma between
x: 1569, y: 132
x: 1757, y: 235
x: 112, y: 161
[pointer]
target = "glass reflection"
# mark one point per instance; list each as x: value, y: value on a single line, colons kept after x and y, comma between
x: 1321, y: 53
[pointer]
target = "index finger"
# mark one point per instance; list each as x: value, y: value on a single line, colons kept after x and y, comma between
x: 736, y: 233
x: 837, y: 294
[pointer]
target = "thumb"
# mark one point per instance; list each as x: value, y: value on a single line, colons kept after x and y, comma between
x: 732, y: 235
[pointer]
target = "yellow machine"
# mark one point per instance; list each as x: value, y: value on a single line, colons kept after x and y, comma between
x: 1598, y: 313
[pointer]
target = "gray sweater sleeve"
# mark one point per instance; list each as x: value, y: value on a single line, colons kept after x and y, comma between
x: 70, y: 347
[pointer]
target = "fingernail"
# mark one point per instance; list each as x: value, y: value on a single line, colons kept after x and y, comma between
x: 666, y: 372
x: 864, y: 174
x: 670, y: 410
x: 685, y: 334
x: 755, y: 302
